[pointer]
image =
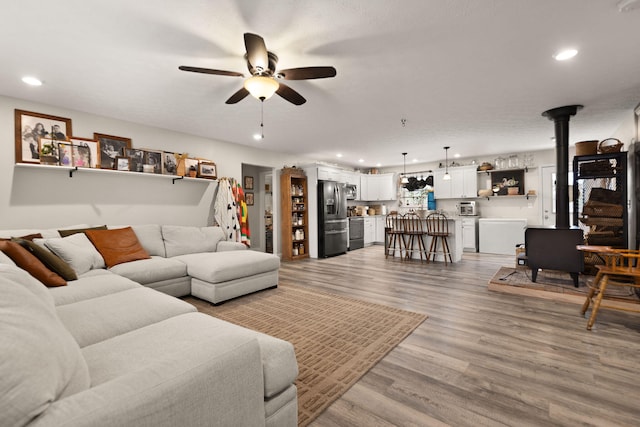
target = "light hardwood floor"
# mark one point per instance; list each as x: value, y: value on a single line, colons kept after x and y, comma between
x: 481, y: 358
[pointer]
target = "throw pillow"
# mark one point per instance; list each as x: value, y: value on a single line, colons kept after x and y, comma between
x: 70, y: 232
x: 117, y: 246
x: 48, y: 258
x: 77, y: 251
x: 27, y: 237
x: 31, y: 264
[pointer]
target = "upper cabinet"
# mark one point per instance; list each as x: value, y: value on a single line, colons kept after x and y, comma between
x: 378, y: 187
x: 463, y: 183
x: 329, y: 174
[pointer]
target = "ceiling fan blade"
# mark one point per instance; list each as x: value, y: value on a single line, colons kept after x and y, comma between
x: 308, y: 73
x: 256, y: 51
x: 290, y: 95
x: 210, y: 71
x: 238, y: 96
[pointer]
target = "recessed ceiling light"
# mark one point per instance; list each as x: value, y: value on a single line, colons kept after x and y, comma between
x: 360, y: 160
x: 457, y: 155
x: 32, y: 81
x: 378, y: 165
x: 563, y: 55
x: 339, y: 155
x: 257, y: 136
x: 415, y: 160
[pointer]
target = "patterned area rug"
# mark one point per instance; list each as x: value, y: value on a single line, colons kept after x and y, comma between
x: 559, y: 286
x: 336, y: 339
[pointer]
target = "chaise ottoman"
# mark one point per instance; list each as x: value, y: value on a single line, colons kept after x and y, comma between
x: 219, y: 276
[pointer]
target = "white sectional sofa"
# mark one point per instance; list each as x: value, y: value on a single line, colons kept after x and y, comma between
x: 108, y: 349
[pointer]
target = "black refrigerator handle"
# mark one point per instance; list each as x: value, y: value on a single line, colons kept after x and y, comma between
x: 339, y: 201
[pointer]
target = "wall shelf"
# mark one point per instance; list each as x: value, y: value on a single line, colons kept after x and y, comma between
x: 74, y: 170
x: 519, y: 196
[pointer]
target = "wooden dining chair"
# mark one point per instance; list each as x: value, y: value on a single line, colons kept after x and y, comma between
x: 438, y: 229
x: 414, y: 233
x: 621, y: 268
x: 393, y: 234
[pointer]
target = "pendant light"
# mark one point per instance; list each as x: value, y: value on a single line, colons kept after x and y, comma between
x: 404, y: 179
x: 446, y: 176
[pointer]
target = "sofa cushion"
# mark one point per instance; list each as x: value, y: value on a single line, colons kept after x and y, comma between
x: 101, y: 318
x: 48, y: 258
x: 39, y: 360
x: 91, y: 286
x: 25, y: 260
x: 150, y: 237
x: 223, y: 266
x: 151, y: 270
x: 117, y: 246
x: 180, y: 240
x: 77, y: 250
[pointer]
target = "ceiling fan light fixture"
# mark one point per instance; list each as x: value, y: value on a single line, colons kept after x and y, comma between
x: 261, y: 87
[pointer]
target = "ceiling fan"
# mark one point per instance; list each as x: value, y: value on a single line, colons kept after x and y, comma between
x: 265, y: 80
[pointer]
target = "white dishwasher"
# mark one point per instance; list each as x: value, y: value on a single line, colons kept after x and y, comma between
x: 501, y: 235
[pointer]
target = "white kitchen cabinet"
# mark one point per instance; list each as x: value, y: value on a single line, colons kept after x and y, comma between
x: 369, y: 230
x: 463, y: 183
x: 378, y: 187
x: 469, y: 234
x: 329, y: 174
x: 380, y: 224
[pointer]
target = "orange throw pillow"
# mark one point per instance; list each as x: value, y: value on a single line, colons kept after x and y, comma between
x: 117, y: 246
x: 26, y: 261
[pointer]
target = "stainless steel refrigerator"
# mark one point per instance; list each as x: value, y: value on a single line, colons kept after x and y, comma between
x: 332, y: 219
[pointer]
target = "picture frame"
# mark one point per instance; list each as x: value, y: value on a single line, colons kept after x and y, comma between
x: 48, y: 149
x: 169, y: 163
x: 110, y: 148
x: 137, y: 159
x: 248, y: 183
x: 86, y: 152
x: 248, y: 198
x: 30, y: 127
x: 152, y: 158
x: 207, y: 170
x: 65, y: 154
x: 122, y: 163
x: 188, y: 163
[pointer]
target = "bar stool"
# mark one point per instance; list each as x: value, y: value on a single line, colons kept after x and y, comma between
x: 414, y: 232
x: 393, y: 234
x: 438, y: 228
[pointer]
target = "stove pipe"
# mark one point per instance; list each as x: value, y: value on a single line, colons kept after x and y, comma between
x: 561, y: 117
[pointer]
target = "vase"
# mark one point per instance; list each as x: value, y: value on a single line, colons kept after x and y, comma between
x: 180, y: 169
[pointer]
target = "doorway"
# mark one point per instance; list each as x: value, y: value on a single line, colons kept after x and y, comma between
x: 548, y: 193
x: 258, y: 185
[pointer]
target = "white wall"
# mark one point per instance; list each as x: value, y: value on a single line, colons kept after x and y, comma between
x: 34, y: 198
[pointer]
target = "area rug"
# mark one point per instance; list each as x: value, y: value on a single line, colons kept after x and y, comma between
x: 336, y: 339
x: 557, y: 285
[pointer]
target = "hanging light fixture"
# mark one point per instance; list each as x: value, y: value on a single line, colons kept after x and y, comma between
x: 261, y: 87
x: 404, y: 179
x: 446, y: 176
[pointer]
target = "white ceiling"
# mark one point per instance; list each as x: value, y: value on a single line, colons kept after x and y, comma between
x: 471, y: 74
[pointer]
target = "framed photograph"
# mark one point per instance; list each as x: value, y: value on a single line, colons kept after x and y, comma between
x: 207, y: 170
x: 122, y: 163
x: 153, y: 159
x: 110, y: 148
x: 86, y: 152
x: 190, y: 163
x: 248, y: 183
x: 169, y: 163
x: 48, y: 149
x: 30, y: 127
x: 137, y: 158
x: 248, y: 197
x: 65, y: 154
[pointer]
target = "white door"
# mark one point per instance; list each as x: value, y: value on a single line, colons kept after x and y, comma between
x: 548, y: 194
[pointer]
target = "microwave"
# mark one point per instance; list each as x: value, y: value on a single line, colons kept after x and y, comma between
x: 351, y: 191
x: 467, y: 209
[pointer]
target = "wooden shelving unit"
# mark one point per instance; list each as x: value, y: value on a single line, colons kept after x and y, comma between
x: 295, y: 218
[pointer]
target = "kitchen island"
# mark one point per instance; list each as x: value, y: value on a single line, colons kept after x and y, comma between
x: 454, y: 240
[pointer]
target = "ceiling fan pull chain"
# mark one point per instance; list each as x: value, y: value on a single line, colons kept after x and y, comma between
x: 262, y: 118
